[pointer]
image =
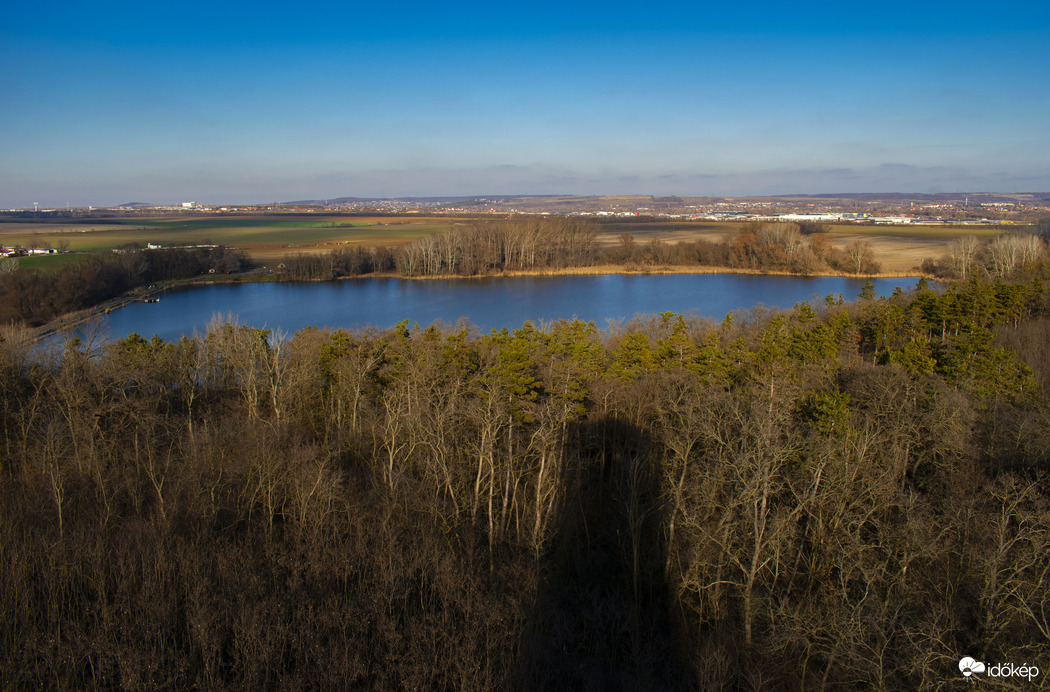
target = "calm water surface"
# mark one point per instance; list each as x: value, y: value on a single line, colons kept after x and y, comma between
x: 488, y: 303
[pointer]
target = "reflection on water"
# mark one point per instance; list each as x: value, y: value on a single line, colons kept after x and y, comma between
x: 488, y: 303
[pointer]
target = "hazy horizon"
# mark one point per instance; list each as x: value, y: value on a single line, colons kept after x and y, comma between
x: 233, y: 103
x: 875, y: 194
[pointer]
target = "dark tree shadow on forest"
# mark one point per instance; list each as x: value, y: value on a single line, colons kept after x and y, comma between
x: 603, y: 617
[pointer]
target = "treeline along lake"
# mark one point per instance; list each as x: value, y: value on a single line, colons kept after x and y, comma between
x: 490, y: 303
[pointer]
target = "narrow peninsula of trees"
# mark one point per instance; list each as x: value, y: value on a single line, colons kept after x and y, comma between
x: 833, y: 497
x: 35, y: 297
x: 541, y: 243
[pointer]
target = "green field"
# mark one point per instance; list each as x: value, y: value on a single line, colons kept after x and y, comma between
x: 45, y: 262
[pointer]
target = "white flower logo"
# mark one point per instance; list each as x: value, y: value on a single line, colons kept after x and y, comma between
x: 968, y: 666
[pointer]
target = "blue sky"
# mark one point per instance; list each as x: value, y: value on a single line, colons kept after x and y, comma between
x: 111, y: 102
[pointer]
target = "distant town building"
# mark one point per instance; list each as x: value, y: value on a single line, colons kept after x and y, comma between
x: 810, y: 217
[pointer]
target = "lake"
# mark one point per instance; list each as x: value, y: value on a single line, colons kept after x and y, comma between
x: 488, y: 303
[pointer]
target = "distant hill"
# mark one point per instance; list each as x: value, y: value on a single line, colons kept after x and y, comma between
x: 974, y: 197
x: 672, y: 200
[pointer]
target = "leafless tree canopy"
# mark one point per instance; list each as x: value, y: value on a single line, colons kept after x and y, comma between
x: 839, y: 496
x: 1000, y: 258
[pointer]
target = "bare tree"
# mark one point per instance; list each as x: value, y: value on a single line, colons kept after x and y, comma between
x: 1008, y: 252
x: 1014, y: 564
x: 861, y: 257
x: 962, y: 253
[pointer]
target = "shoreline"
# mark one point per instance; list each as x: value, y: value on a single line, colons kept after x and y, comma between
x: 606, y: 270
x: 614, y: 269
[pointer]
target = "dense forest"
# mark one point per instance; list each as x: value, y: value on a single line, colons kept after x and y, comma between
x: 35, y: 297
x: 840, y: 496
